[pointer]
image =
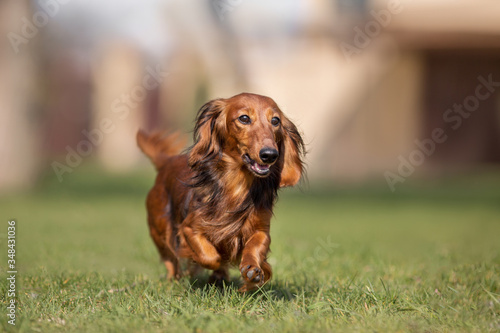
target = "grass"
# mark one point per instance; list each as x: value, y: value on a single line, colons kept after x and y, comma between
x: 426, y: 259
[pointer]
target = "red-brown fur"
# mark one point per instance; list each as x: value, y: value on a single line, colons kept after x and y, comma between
x: 214, y: 204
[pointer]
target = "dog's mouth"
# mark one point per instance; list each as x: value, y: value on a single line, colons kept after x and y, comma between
x: 261, y: 170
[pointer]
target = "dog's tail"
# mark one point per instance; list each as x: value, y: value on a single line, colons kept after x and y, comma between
x: 158, y: 146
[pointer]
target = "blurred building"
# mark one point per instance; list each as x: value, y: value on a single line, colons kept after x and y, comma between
x: 442, y: 49
x: 363, y: 79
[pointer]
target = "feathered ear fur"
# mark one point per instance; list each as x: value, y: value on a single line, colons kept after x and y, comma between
x: 209, y: 133
x: 293, y: 165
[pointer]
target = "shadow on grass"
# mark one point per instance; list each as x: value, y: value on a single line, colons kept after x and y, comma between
x: 274, y: 290
x: 201, y: 282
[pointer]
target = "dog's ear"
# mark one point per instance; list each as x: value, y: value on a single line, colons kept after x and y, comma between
x: 293, y: 145
x: 209, y: 132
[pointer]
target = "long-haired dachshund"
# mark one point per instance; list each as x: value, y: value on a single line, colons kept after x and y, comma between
x: 214, y: 203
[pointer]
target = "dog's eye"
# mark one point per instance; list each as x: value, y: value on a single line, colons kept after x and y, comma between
x: 244, y: 119
x: 275, y: 121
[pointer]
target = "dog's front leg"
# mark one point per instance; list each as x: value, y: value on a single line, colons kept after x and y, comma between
x: 253, y: 267
x: 203, y: 252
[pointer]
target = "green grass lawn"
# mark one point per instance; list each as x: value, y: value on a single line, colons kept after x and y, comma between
x: 425, y: 259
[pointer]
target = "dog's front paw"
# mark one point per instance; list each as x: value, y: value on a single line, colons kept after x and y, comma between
x: 252, y: 274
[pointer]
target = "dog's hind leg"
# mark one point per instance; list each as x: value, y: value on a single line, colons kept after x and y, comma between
x: 219, y: 276
x: 167, y: 254
x: 162, y: 231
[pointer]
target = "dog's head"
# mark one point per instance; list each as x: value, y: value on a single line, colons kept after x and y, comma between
x: 253, y: 132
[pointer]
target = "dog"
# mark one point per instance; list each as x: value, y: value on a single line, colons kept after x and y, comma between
x: 213, y: 204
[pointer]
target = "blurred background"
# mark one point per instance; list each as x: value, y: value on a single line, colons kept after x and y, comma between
x: 364, y: 80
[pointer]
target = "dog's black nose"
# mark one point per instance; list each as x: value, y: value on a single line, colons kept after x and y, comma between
x: 268, y: 155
